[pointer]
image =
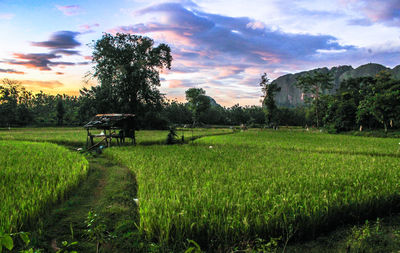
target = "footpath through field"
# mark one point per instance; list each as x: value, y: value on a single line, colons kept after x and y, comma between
x: 105, y: 200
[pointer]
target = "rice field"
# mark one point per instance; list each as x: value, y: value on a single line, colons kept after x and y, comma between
x: 76, y: 136
x: 33, y: 176
x: 223, y: 190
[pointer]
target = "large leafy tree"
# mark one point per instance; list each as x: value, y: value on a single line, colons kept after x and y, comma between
x: 127, y: 67
x: 381, y: 100
x: 313, y: 85
x: 269, y: 90
x: 198, y: 102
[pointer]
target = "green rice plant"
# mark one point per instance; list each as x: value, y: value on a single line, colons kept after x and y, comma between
x: 260, y: 184
x: 33, y: 176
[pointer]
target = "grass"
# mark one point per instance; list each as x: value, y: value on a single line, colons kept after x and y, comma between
x: 33, y: 176
x: 228, y: 189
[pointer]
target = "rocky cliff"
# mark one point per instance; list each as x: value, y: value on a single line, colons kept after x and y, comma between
x: 291, y: 96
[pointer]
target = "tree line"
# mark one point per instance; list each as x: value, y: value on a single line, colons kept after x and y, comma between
x: 127, y: 69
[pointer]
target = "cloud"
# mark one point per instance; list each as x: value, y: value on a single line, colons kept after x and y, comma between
x: 37, y: 61
x: 59, y: 73
x: 69, y: 10
x: 235, y: 51
x: 11, y: 71
x: 60, y: 40
x: 360, y: 22
x: 42, y: 84
x: 175, y: 84
x: 60, y: 43
x: 86, y: 28
x: 376, y: 11
x: 6, y: 16
x: 65, y: 52
x: 238, y: 38
x: 220, y: 47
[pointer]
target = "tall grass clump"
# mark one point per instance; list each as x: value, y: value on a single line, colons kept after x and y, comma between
x: 33, y: 176
x: 233, y: 188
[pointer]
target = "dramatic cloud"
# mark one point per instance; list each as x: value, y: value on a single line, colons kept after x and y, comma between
x: 69, y: 10
x: 60, y: 40
x: 42, y: 84
x: 376, y: 11
x: 37, y: 61
x: 60, y: 43
x: 224, y: 47
x: 11, y: 71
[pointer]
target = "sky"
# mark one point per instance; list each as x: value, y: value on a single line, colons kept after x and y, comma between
x: 222, y: 46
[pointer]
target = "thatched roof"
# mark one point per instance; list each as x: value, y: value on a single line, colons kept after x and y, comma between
x: 108, y: 121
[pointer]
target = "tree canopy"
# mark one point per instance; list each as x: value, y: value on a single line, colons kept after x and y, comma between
x: 269, y: 90
x: 127, y: 67
x: 198, y: 102
x: 313, y: 86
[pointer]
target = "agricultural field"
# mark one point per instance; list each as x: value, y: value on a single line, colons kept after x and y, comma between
x: 76, y: 136
x: 228, y: 189
x: 33, y: 177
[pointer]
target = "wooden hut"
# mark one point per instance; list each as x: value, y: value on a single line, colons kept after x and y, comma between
x: 111, y: 126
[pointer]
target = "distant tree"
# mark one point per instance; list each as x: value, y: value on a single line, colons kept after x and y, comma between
x: 9, y: 97
x: 60, y: 112
x: 127, y: 67
x: 313, y: 85
x: 177, y: 113
x: 269, y: 90
x: 198, y: 103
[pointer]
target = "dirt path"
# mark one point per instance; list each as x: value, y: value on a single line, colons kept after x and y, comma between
x: 108, y: 192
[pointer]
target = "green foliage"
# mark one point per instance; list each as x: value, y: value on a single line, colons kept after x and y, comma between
x: 19, y: 107
x: 372, y: 238
x: 34, y: 176
x: 6, y: 241
x: 198, y: 103
x: 193, y: 249
x: 316, y: 182
x: 361, y: 103
x: 127, y: 67
x: 314, y: 85
x: 66, y: 247
x: 60, y: 112
x: 96, y: 230
x: 269, y: 90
